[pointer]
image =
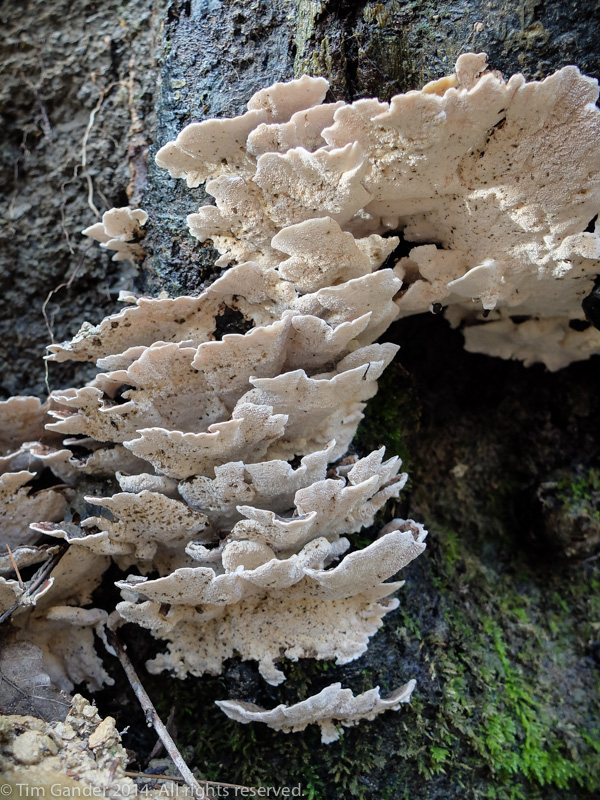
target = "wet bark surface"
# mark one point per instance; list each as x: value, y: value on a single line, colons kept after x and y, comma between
x: 499, y: 619
x: 217, y: 55
x: 379, y: 49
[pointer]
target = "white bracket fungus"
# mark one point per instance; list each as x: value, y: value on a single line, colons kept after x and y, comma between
x: 19, y: 507
x: 225, y: 450
x: 120, y: 231
x: 328, y: 707
x: 263, y: 607
x: 500, y: 178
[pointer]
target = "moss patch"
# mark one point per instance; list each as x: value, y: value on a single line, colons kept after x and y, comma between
x: 515, y: 692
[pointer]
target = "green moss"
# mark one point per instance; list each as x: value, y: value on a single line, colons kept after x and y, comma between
x: 393, y: 411
x: 423, y: 29
x: 515, y: 727
x: 581, y: 492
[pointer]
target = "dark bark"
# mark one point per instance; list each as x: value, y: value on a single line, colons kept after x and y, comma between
x: 499, y: 626
x: 58, y: 61
x: 218, y: 55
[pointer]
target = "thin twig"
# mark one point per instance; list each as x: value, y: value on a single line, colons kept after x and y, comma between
x: 159, y: 745
x: 15, y: 567
x: 38, y: 579
x: 591, y: 558
x: 152, y: 717
x: 151, y: 777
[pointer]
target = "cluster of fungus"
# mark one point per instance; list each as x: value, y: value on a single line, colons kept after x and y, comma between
x: 237, y: 489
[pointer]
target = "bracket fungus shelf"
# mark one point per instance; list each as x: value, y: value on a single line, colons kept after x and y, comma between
x: 237, y: 489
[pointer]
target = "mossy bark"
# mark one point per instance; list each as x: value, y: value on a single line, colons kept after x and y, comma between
x: 499, y: 620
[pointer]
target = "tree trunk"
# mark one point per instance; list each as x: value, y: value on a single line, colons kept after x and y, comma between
x: 499, y: 619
